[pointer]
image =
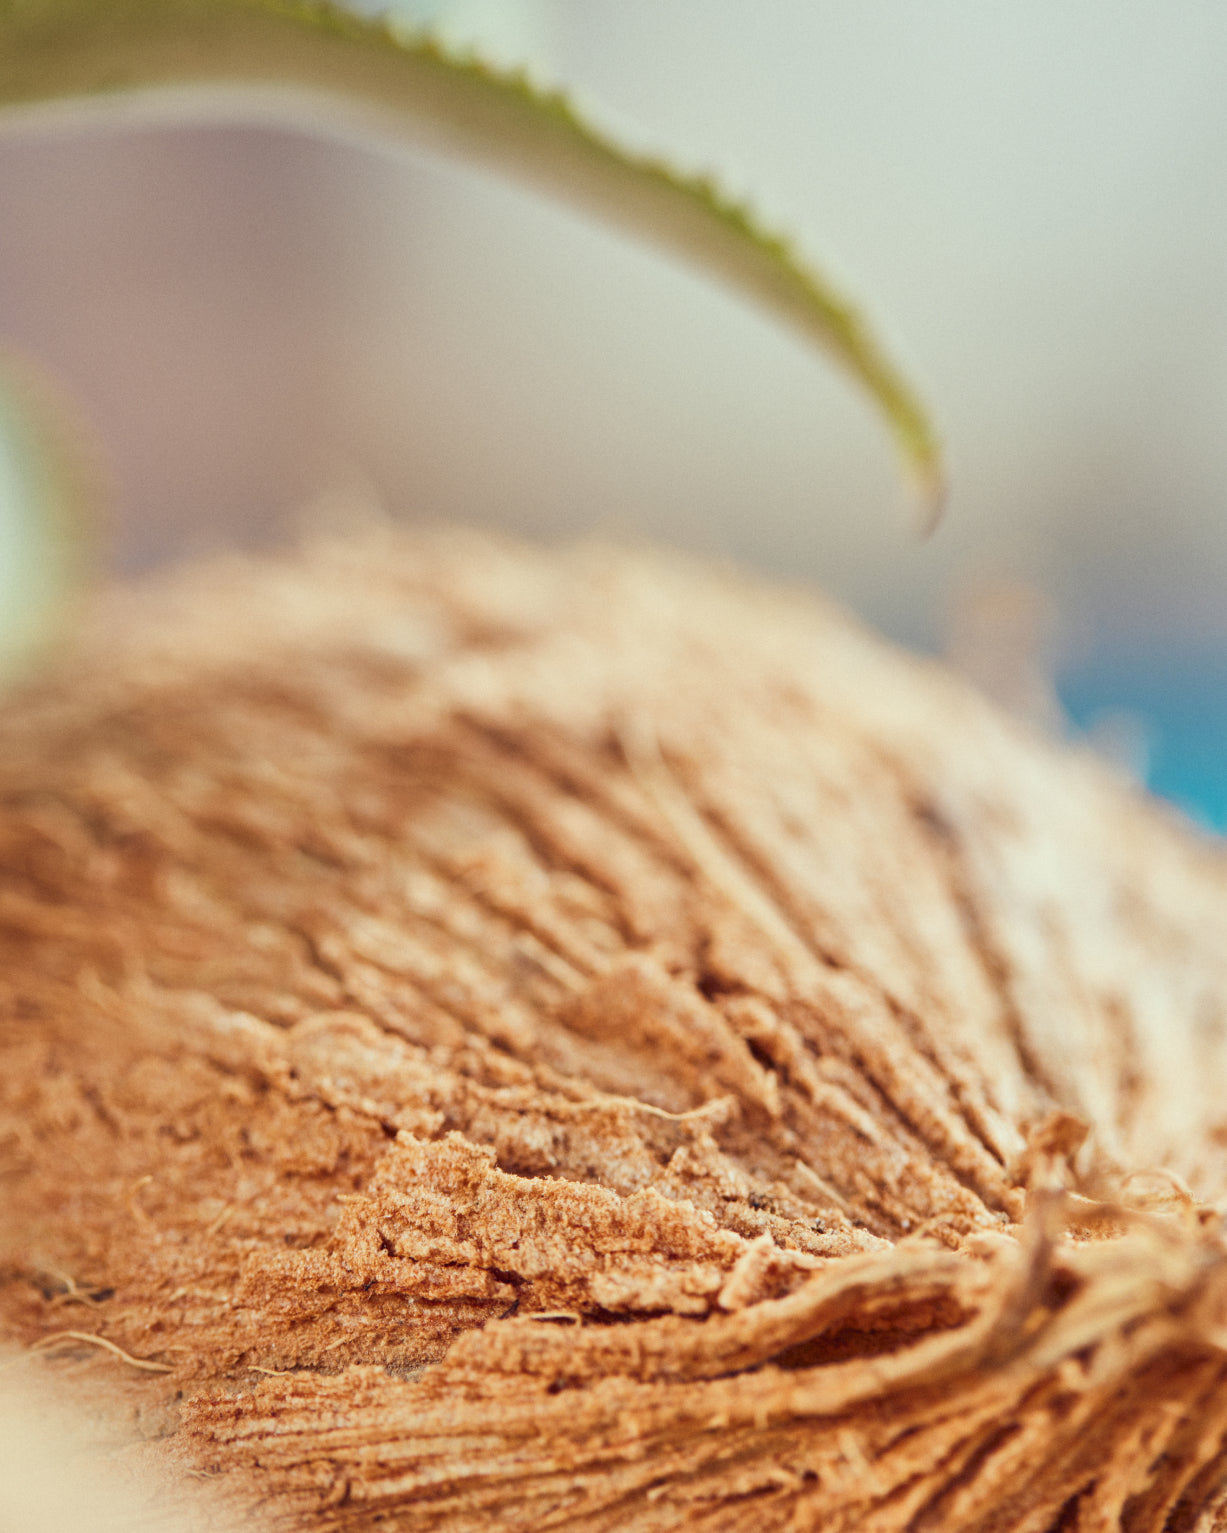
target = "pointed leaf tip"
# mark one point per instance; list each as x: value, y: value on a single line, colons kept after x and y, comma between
x: 415, y: 85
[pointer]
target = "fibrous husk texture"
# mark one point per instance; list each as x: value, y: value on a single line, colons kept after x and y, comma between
x: 575, y: 1041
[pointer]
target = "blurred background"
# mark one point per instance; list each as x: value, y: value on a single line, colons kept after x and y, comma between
x: 1031, y: 203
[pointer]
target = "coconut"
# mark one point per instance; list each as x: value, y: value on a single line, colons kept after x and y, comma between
x: 494, y: 1038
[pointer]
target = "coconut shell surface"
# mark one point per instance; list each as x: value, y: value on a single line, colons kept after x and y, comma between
x: 504, y: 1039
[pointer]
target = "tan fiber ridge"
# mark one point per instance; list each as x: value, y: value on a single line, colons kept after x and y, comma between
x: 574, y: 1040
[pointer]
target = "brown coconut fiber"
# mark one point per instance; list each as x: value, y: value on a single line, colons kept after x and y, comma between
x: 497, y: 1039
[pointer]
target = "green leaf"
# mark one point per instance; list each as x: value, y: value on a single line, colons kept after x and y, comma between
x: 48, y: 490
x: 74, y: 50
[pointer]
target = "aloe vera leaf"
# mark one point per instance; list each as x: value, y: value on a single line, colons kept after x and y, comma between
x: 413, y: 86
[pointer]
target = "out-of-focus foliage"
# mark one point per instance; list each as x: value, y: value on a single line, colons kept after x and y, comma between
x: 48, y: 497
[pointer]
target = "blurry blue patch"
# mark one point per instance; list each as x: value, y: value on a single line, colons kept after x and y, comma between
x: 1178, y: 701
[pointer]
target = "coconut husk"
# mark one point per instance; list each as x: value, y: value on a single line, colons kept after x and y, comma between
x: 502, y: 1039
